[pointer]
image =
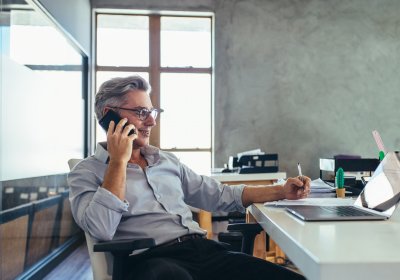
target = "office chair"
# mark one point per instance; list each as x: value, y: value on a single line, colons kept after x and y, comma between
x: 241, y: 236
x: 108, y: 258
x: 121, y: 249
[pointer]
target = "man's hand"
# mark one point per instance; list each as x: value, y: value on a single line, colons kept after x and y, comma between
x: 119, y: 147
x: 296, y: 188
x: 119, y: 143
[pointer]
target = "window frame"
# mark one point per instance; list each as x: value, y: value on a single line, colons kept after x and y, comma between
x: 155, y: 70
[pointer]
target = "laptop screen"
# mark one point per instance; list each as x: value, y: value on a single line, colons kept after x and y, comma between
x: 382, y: 192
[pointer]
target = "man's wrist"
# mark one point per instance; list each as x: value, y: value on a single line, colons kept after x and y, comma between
x: 281, y: 192
x: 117, y: 162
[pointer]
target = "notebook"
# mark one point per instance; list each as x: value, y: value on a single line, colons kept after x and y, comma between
x: 378, y: 200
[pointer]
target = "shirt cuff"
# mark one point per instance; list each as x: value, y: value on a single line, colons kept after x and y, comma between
x: 110, y: 200
x: 237, y: 194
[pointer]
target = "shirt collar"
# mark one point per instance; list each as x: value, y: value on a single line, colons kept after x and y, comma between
x: 101, y: 153
x: 151, y: 153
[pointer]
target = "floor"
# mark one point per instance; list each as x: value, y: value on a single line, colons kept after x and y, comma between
x: 75, y: 267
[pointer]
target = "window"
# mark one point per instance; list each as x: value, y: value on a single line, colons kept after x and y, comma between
x: 43, y: 113
x: 39, y: 83
x: 174, y: 53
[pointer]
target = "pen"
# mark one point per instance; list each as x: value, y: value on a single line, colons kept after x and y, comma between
x: 300, y: 173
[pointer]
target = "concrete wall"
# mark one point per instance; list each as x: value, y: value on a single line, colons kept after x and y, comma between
x: 305, y: 79
x: 74, y: 17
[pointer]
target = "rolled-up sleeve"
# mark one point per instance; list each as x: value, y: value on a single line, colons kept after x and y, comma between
x: 209, y: 194
x: 95, y: 209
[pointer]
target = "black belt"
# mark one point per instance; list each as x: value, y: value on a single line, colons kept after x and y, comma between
x: 182, y: 239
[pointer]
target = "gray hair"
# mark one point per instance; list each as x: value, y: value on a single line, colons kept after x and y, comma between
x: 112, y: 93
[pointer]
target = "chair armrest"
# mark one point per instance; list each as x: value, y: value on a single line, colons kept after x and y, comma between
x: 124, y: 246
x: 249, y: 232
x: 245, y: 227
x: 121, y: 249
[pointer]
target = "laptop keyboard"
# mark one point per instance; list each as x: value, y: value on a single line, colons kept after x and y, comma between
x: 345, y: 211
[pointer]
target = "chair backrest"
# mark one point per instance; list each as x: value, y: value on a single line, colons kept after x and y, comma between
x: 72, y: 162
x: 101, y: 262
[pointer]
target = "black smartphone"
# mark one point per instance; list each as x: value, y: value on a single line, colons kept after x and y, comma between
x: 112, y: 116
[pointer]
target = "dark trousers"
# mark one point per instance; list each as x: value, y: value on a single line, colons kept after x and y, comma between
x: 200, y: 259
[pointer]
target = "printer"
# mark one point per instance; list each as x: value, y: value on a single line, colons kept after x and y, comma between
x: 253, y: 162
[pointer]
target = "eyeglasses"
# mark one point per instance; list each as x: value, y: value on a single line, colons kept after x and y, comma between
x: 143, y: 113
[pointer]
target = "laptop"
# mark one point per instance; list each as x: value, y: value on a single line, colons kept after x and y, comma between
x: 378, y: 200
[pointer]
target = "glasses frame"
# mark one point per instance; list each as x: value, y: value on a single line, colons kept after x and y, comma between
x: 154, y: 112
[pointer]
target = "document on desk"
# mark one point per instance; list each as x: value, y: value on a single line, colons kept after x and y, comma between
x: 316, y: 186
x: 325, y: 201
x: 319, y: 186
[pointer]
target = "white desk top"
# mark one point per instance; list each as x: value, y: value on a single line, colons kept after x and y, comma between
x: 234, y: 177
x: 335, y: 250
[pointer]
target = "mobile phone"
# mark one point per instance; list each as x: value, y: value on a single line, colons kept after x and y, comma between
x: 112, y: 116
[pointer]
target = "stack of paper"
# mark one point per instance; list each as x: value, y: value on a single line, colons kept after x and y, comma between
x: 319, y: 186
x: 250, y: 153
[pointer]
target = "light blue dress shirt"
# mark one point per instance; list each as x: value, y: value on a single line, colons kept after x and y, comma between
x: 157, y: 198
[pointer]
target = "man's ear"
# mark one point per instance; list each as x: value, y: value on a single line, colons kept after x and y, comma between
x: 105, y: 110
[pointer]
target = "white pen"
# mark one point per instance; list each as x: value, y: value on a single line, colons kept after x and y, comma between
x: 300, y: 173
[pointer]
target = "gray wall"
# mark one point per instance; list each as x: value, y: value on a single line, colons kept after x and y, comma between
x: 74, y: 17
x: 306, y: 79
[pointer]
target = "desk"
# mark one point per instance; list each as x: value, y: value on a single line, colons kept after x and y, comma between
x: 335, y: 250
x: 205, y: 218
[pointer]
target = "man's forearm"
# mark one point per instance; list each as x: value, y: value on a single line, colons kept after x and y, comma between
x: 115, y: 178
x: 254, y: 194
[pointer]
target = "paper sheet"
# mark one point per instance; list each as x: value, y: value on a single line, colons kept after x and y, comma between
x: 326, y: 201
x: 250, y: 153
x: 319, y: 186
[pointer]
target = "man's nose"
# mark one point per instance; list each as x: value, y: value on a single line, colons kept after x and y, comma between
x: 150, y: 121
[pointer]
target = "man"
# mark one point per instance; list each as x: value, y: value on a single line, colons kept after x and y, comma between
x: 129, y: 189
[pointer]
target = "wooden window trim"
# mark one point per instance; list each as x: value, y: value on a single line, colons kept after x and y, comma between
x: 154, y: 73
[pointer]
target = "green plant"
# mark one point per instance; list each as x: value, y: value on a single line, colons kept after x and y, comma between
x: 340, y: 178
